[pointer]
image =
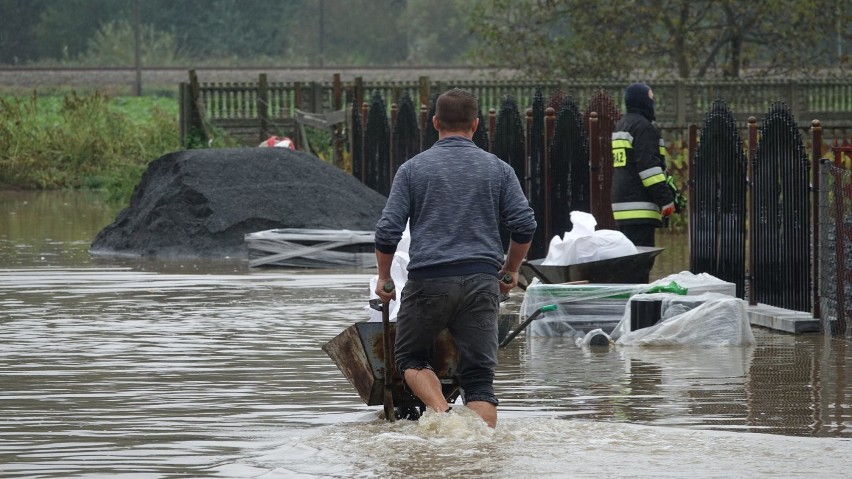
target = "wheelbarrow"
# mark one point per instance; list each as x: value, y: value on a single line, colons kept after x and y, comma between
x: 364, y: 354
x: 632, y: 269
x: 359, y: 352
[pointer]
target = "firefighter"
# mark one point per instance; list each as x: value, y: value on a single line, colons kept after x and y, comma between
x: 642, y: 191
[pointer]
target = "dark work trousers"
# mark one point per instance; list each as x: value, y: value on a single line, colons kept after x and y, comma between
x: 466, y: 305
x: 641, y: 235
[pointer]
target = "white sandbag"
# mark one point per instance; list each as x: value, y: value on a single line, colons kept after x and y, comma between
x: 604, y: 244
x: 399, y: 275
x: 721, y: 321
x: 583, y: 244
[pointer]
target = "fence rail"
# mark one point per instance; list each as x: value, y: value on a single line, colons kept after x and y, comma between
x: 679, y: 102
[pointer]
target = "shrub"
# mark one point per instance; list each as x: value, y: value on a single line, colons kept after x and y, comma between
x: 113, y: 44
x: 88, y: 141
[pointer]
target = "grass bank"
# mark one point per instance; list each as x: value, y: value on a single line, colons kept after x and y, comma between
x: 72, y: 140
x: 87, y: 141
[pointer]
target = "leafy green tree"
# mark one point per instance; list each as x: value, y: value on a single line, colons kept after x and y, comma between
x: 226, y: 28
x: 350, y: 32
x: 65, y: 26
x: 223, y: 29
x: 114, y: 45
x: 436, y: 31
x: 17, y: 36
x: 534, y: 36
x: 692, y: 38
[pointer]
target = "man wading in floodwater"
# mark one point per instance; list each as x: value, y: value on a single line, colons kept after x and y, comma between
x: 455, y: 196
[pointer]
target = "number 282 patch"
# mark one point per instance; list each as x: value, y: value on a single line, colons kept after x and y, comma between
x: 619, y: 157
x: 619, y: 151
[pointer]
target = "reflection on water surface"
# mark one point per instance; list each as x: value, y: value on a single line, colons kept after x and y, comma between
x: 209, y: 369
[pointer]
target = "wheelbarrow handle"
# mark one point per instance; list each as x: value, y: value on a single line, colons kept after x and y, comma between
x: 387, y: 350
x: 536, y: 314
x: 507, y: 278
x: 377, y: 303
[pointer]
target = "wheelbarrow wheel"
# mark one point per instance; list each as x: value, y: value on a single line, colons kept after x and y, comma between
x: 411, y: 413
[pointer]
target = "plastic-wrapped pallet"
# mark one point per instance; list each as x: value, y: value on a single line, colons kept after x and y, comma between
x: 717, y: 320
x: 580, y: 308
x: 584, y: 307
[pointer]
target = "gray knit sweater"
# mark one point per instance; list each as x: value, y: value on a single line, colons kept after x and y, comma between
x: 455, y: 195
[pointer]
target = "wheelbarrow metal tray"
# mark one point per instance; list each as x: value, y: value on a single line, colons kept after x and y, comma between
x: 632, y: 268
x: 359, y: 354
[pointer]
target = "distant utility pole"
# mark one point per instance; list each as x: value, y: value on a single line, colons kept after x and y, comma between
x: 321, y: 32
x: 137, y: 57
x: 839, y: 40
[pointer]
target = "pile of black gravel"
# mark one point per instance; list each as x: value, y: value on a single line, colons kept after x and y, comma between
x: 201, y: 203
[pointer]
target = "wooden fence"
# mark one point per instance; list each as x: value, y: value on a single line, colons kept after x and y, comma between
x: 251, y: 112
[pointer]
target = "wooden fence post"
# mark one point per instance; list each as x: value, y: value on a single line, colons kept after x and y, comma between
x: 316, y: 97
x: 528, y: 118
x: 263, y: 106
x: 185, y: 109
x: 337, y: 136
x: 752, y: 212
x: 358, y: 92
x: 549, y: 128
x: 492, y: 128
x: 297, y: 97
x: 424, y: 123
x: 692, y: 149
x: 365, y: 111
x: 392, y: 153
x: 336, y: 92
x: 425, y: 94
x: 199, y: 112
x: 298, y: 105
x: 595, y: 165
x: 396, y: 94
x: 816, y: 154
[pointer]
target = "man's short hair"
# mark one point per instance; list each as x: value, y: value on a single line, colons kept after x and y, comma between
x: 456, y: 110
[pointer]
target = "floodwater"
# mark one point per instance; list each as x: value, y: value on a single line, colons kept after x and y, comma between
x: 142, y: 369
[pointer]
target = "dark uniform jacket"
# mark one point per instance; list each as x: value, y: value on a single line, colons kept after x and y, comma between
x: 639, y: 188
